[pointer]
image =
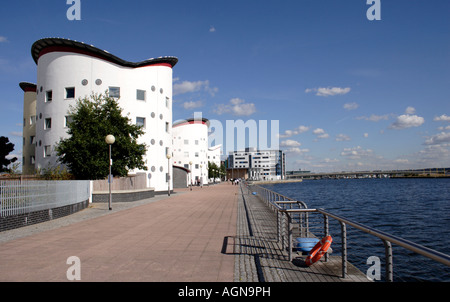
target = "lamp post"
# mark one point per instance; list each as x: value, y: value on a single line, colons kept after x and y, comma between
x: 190, y: 167
x: 201, y: 176
x: 110, y: 139
x: 168, y: 173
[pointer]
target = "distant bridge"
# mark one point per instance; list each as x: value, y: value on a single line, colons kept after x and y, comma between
x: 434, y: 172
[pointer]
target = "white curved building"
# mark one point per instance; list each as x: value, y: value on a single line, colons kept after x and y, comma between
x: 29, y: 127
x: 190, y: 147
x: 68, y: 70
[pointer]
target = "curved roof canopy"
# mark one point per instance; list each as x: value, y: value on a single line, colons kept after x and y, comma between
x: 190, y: 121
x: 47, y: 45
x: 26, y: 86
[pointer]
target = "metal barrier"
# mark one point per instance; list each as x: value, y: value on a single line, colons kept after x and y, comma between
x: 278, y: 203
x: 25, y: 196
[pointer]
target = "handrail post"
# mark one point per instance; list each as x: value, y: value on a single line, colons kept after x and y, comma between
x: 326, y: 231
x: 344, y: 248
x: 389, y: 264
x: 290, y: 236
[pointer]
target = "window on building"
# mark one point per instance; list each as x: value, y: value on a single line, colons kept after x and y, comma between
x: 114, y: 92
x: 32, y: 119
x: 32, y: 159
x: 186, y: 166
x: 196, y: 166
x: 70, y: 92
x: 196, y: 154
x: 186, y: 141
x: 167, y: 102
x: 48, y: 123
x: 186, y: 154
x: 49, y: 96
x: 67, y: 120
x: 140, y: 95
x: 32, y: 139
x: 140, y: 121
x: 196, y: 141
x: 167, y: 127
x: 47, y: 151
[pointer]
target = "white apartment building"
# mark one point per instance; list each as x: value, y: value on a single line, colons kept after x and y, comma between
x: 29, y: 127
x: 68, y: 70
x: 260, y: 164
x: 190, y: 148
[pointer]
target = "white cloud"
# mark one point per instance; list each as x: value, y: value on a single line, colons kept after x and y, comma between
x: 320, y: 133
x: 406, y: 121
x: 410, y: 110
x: 212, y: 29
x: 3, y: 39
x: 188, y: 86
x: 296, y: 150
x: 374, y: 117
x: 444, y: 128
x: 356, y: 152
x: 328, y: 91
x: 443, y: 137
x: 442, y: 118
x: 298, y: 130
x: 351, y: 106
x: 290, y: 143
x: 16, y: 133
x: 236, y: 106
x: 366, y: 134
x: 192, y: 104
x: 342, y: 137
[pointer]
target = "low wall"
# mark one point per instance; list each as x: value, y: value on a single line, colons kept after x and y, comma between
x: 123, y: 196
x: 21, y: 220
x: 132, y: 182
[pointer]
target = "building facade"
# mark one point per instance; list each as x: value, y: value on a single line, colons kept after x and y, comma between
x: 259, y: 164
x: 190, y: 148
x: 29, y: 127
x: 68, y: 70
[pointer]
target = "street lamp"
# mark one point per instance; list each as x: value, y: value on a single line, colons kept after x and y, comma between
x: 201, y: 176
x: 110, y: 139
x: 190, y: 167
x: 168, y: 173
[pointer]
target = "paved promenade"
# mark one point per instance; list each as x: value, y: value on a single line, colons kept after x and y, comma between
x: 176, y: 238
x: 211, y: 234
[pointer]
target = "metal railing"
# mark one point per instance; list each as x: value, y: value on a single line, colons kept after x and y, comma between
x: 300, y: 215
x: 25, y: 196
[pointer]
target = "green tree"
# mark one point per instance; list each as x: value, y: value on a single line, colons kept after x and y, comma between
x: 85, y: 152
x: 5, y: 148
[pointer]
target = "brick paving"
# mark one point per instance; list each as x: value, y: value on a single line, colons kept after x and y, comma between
x: 177, y: 238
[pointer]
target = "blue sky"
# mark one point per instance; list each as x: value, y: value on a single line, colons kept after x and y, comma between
x: 349, y: 93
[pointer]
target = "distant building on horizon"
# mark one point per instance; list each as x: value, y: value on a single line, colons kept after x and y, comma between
x: 256, y: 164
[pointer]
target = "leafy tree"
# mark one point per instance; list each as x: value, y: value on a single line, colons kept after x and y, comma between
x: 5, y: 148
x: 85, y: 152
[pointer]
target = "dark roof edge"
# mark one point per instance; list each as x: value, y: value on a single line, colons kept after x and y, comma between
x: 191, y: 121
x: 26, y: 86
x: 46, y: 45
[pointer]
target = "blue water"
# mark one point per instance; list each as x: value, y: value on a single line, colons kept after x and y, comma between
x: 414, y: 209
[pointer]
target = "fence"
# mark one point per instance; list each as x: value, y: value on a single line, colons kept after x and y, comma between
x: 26, y: 196
x: 291, y: 212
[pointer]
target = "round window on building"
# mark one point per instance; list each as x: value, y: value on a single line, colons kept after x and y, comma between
x: 153, y: 169
x: 161, y: 168
x: 153, y: 88
x: 98, y: 82
x: 84, y: 82
x: 153, y: 114
x: 160, y: 142
x: 152, y: 141
x: 161, y: 116
x: 161, y: 90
